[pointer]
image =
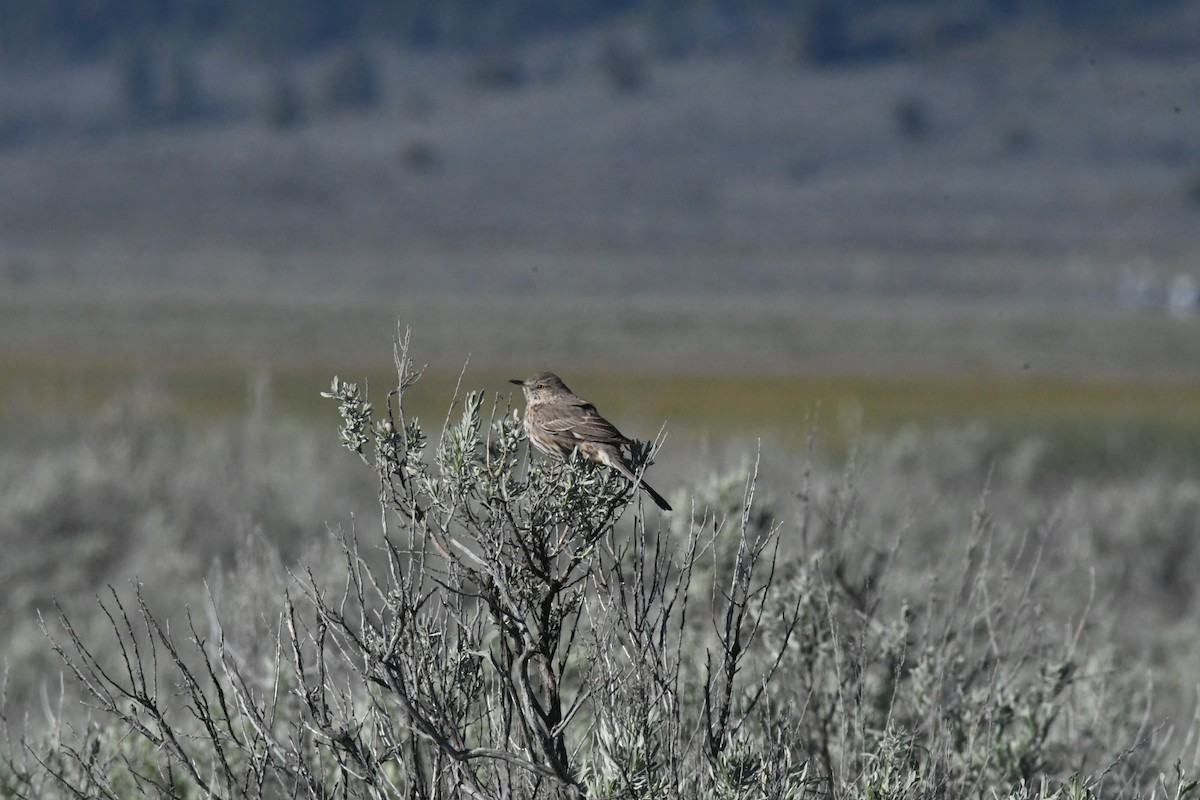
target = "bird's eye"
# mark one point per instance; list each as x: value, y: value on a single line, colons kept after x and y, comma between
x: 540, y: 386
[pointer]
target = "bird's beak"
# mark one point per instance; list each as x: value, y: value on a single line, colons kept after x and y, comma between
x: 518, y: 383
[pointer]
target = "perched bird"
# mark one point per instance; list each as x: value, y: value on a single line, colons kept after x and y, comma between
x: 559, y: 421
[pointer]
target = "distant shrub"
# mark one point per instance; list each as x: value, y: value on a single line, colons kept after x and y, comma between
x: 420, y: 156
x: 418, y: 104
x: 154, y: 90
x: 624, y: 67
x: 1018, y: 140
x: 822, y: 36
x: 184, y: 96
x: 352, y: 82
x: 912, y: 119
x: 499, y: 71
x: 1191, y: 190
x: 282, y: 105
x: 137, y: 80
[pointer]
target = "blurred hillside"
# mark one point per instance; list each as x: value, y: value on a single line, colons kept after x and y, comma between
x: 824, y: 31
x: 902, y: 156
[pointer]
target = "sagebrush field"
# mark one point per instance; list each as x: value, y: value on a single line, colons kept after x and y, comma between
x: 950, y: 610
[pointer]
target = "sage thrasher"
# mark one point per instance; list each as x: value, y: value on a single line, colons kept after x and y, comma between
x: 558, y: 421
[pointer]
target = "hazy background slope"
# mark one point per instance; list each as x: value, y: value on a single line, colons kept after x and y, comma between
x: 1000, y: 172
x: 1035, y: 159
x: 914, y: 192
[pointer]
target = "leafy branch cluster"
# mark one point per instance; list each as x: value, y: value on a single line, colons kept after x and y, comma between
x: 510, y: 636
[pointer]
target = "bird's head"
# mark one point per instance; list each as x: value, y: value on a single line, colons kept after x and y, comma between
x: 542, y: 387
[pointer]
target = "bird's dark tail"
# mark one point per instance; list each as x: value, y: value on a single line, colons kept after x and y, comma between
x: 624, y: 469
x: 656, y: 497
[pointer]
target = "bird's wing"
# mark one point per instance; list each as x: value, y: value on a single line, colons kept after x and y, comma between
x: 582, y: 423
